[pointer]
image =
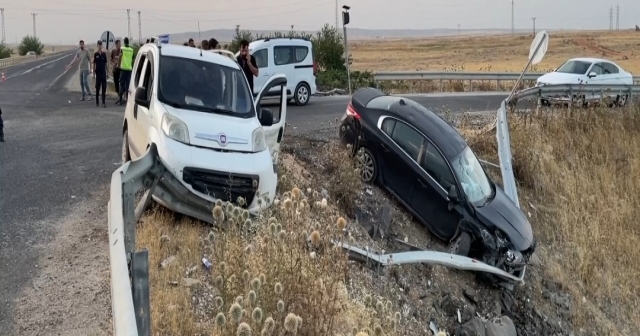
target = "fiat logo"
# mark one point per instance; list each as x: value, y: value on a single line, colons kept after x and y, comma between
x: 223, y: 139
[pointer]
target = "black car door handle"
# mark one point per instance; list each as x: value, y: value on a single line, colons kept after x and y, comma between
x: 422, y: 183
x: 384, y: 148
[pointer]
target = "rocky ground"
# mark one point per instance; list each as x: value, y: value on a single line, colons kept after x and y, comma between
x: 434, y: 297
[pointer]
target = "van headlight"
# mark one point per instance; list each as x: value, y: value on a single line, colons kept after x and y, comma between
x: 175, y: 129
x: 258, y: 140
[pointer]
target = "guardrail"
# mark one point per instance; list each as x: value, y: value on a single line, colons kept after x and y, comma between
x: 7, y: 62
x: 458, y: 76
x: 571, y: 91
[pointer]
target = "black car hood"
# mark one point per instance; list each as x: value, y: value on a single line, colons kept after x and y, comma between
x: 503, y: 214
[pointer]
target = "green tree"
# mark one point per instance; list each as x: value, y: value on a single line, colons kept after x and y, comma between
x: 328, y: 47
x: 5, y: 52
x: 30, y: 43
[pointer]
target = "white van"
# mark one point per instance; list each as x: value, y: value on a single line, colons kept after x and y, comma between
x: 291, y: 56
x: 210, y: 134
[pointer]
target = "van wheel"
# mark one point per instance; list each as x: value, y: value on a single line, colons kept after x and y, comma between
x: 461, y: 245
x: 302, y: 94
x: 126, y: 156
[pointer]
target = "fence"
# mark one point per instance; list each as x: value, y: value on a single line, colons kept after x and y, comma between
x: 471, y: 77
x: 7, y: 62
x: 130, y: 267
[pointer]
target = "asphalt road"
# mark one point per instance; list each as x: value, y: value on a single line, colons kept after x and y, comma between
x: 58, y: 151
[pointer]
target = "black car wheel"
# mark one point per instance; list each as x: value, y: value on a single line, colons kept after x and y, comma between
x: 621, y: 100
x: 461, y: 244
x: 366, y: 163
x: 126, y: 156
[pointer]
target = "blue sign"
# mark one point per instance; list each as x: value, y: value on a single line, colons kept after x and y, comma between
x: 164, y: 38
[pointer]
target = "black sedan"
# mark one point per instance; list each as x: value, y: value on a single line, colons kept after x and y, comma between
x: 427, y: 165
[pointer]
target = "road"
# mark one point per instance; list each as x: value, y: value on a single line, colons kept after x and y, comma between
x: 55, y: 167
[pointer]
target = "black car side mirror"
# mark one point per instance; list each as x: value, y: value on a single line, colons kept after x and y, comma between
x: 266, y: 117
x: 453, y: 194
x: 141, y: 97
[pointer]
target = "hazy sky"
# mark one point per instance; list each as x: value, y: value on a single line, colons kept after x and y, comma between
x: 67, y: 21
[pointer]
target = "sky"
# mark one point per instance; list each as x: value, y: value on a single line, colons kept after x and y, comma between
x: 68, y: 21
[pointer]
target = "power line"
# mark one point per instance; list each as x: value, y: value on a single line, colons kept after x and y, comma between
x: 4, y: 39
x: 139, y: 29
x: 513, y: 20
x: 534, y: 25
x: 34, y: 24
x: 129, y: 23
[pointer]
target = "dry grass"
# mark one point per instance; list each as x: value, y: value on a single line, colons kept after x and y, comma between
x: 579, y: 176
x: 493, y: 52
x: 275, y: 274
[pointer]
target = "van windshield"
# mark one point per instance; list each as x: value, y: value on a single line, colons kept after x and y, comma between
x: 204, y: 86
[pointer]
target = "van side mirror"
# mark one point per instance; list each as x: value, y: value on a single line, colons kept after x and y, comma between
x: 266, y: 117
x: 141, y: 97
x: 592, y: 74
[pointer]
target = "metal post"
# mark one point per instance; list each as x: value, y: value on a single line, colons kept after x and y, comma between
x: 346, y: 56
x: 140, y: 291
x: 128, y: 208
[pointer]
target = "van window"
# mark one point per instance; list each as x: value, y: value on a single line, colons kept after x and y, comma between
x: 147, y: 79
x: 282, y: 55
x: 204, y: 86
x: 262, y: 58
x: 141, y: 61
x: 301, y: 53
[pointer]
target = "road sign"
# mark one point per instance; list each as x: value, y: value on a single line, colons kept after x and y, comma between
x: 164, y: 38
x: 107, y: 39
x: 539, y: 47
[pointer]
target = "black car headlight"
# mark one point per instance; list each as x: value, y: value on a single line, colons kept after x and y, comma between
x: 514, y: 258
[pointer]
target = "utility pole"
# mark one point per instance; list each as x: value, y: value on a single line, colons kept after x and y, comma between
x: 34, y: 23
x: 129, y: 23
x: 139, y: 29
x: 617, y: 17
x: 4, y: 40
x: 534, y: 26
x: 513, y: 20
x: 337, y: 16
x: 611, y: 18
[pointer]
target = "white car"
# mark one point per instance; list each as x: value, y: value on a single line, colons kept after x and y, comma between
x: 291, y: 56
x: 587, y: 71
x: 208, y: 130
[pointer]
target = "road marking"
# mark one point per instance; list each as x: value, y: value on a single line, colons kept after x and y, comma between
x: 36, y: 67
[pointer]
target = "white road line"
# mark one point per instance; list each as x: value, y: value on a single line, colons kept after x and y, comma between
x: 36, y: 67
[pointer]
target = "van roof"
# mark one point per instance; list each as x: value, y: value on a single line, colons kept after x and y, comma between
x: 281, y: 41
x: 194, y: 53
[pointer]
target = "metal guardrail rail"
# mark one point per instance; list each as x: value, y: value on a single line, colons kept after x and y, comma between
x: 458, y: 76
x: 11, y: 61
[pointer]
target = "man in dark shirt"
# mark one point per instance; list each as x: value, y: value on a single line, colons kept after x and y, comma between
x: 247, y: 63
x: 100, y: 72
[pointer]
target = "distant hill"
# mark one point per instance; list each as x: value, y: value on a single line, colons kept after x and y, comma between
x: 226, y: 35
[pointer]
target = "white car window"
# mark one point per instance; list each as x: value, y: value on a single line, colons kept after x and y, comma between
x: 204, y: 86
x: 574, y: 67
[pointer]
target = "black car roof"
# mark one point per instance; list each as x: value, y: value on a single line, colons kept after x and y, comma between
x: 443, y: 135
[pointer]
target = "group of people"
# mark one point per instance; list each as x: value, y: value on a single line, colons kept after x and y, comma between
x: 96, y: 64
x: 121, y: 59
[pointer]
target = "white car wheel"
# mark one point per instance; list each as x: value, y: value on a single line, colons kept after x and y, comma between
x: 302, y: 94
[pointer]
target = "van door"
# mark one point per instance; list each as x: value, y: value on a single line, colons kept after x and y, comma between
x: 131, y: 110
x: 264, y: 68
x: 145, y: 117
x: 273, y: 134
x: 283, y: 63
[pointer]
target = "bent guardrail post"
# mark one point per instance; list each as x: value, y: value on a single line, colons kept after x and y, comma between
x: 504, y: 154
x: 130, y: 268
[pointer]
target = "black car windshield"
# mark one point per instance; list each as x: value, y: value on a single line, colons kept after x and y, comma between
x: 474, y: 181
x: 204, y: 86
x: 574, y: 67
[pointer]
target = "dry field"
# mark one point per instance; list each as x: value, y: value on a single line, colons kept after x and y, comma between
x: 493, y: 53
x: 577, y: 175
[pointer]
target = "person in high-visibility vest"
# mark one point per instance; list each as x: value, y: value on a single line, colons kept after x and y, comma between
x: 126, y: 65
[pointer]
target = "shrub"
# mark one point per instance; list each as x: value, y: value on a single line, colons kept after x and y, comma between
x: 5, y: 51
x: 30, y: 43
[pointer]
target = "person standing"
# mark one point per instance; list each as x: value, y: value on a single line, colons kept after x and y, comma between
x: 115, y: 64
x: 213, y: 44
x: 99, y: 67
x: 126, y: 65
x: 191, y: 43
x: 247, y: 63
x: 204, y: 45
x: 85, y: 58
